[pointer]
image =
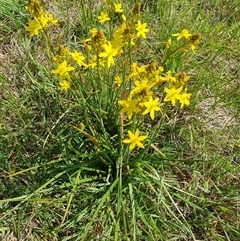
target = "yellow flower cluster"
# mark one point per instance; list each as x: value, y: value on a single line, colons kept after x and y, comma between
x: 142, y: 89
x: 41, y: 20
x: 99, y: 51
x: 146, y: 81
x: 64, y: 60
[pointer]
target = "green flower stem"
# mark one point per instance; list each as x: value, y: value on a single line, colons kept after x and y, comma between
x: 120, y: 203
x: 99, y: 82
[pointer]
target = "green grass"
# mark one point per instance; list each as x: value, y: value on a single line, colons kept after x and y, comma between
x: 53, y: 182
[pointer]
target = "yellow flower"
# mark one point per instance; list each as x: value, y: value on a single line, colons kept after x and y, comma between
x: 169, y: 77
x: 172, y: 94
x: 77, y: 56
x: 93, y: 32
x: 184, y: 99
x: 103, y: 17
x: 34, y: 26
x: 118, y: 7
x: 184, y: 34
x: 129, y: 106
x: 50, y: 19
x: 152, y: 106
x: 142, y: 87
x: 43, y: 20
x: 141, y: 29
x: 108, y: 53
x: 63, y: 70
x: 121, y: 36
x: 64, y: 85
x: 134, y: 139
x: 136, y: 70
x: 118, y: 80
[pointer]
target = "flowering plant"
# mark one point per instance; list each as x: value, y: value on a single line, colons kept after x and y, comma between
x: 114, y: 70
x: 124, y: 101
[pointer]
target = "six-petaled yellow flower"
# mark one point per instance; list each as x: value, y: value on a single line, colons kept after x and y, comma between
x: 118, y: 80
x: 118, y: 7
x: 184, y: 99
x: 63, y: 70
x: 152, y: 106
x: 134, y: 139
x: 34, y: 27
x: 184, y: 34
x: 141, y: 29
x: 109, y: 53
x: 50, y: 19
x: 78, y: 57
x: 129, y: 106
x: 142, y: 87
x: 64, y: 85
x: 173, y: 94
x: 103, y: 17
